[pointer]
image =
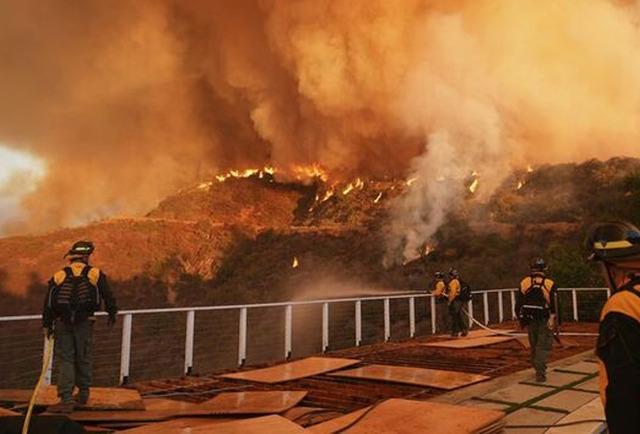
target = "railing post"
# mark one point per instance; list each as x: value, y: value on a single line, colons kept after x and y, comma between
x: 188, y: 343
x: 574, y: 300
x: 242, y: 337
x: 49, y: 367
x: 325, y: 327
x: 412, y: 317
x: 387, y: 321
x: 513, y: 304
x: 608, y: 293
x: 125, y: 352
x: 433, y: 315
x: 288, y: 331
x: 358, y: 323
x: 500, y: 308
x: 470, y: 310
x: 485, y: 303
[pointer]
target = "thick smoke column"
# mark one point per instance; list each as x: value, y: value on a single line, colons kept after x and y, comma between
x: 127, y: 103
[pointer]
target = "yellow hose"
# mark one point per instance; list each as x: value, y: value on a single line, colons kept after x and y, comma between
x: 45, y: 365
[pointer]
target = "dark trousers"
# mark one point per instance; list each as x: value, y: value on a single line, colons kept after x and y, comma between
x: 540, y: 339
x: 74, y: 348
x: 458, y: 318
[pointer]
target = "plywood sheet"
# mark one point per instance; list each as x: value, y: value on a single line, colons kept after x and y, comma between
x: 257, y: 425
x: 294, y: 370
x: 469, y: 343
x: 400, y: 416
x: 481, y: 333
x: 128, y: 416
x: 101, y: 398
x: 167, y: 404
x: 439, y: 379
x: 177, y: 426
x: 269, y: 402
x: 582, y: 367
x: 5, y: 412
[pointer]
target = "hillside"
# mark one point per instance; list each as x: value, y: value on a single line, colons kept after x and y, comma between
x: 255, y: 239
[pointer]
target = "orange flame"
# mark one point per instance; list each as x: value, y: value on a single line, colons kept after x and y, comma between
x: 378, y: 197
x: 295, y: 263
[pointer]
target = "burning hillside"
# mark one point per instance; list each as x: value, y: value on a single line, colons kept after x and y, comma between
x: 256, y: 239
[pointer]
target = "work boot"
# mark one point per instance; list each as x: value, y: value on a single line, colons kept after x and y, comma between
x: 81, y: 399
x: 541, y: 377
x: 464, y: 333
x: 61, y: 407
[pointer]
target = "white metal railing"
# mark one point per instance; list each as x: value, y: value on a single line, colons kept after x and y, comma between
x: 125, y: 354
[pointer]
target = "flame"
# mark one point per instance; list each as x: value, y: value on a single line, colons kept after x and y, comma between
x: 295, y: 263
x: 359, y: 184
x: 520, y: 185
x: 246, y: 173
x: 529, y: 168
x: 427, y: 250
x: 310, y: 172
x: 377, y: 199
x: 411, y: 181
x: 474, y: 185
x: 205, y: 186
x: 348, y: 189
x: 327, y: 195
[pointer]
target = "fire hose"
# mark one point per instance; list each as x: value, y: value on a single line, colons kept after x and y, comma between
x: 45, y: 364
x: 516, y: 335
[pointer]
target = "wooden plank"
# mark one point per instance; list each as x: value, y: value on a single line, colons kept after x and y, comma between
x: 100, y: 398
x: 293, y: 370
x: 469, y: 343
x: 5, y: 412
x: 447, y: 380
x: 481, y: 333
x: 177, y: 426
x: 253, y: 402
x: 167, y: 404
x: 258, y: 425
x: 401, y: 416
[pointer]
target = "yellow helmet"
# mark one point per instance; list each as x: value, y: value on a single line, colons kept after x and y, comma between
x: 614, y: 241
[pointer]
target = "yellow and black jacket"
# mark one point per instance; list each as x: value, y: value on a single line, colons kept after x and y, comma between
x: 619, y: 352
x: 61, y: 301
x: 454, y: 290
x: 536, y: 298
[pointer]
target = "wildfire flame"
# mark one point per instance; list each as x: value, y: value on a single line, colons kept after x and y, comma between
x: 310, y: 172
x: 295, y: 263
x: 411, y: 181
x: 348, y: 189
x: 529, y: 168
x: 327, y: 195
x: 378, y: 197
x: 520, y: 185
x: 474, y: 185
x: 246, y: 173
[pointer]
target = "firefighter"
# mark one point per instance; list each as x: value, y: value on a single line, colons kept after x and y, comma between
x: 439, y: 286
x: 74, y: 294
x: 536, y: 306
x: 459, y: 325
x: 616, y: 246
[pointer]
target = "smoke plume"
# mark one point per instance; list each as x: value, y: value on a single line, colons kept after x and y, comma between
x: 125, y: 104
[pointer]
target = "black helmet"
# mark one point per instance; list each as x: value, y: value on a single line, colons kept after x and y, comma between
x: 438, y: 275
x: 81, y: 248
x: 453, y: 272
x: 539, y: 264
x: 613, y: 241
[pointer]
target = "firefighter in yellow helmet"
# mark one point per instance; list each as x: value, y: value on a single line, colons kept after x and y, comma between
x: 458, y: 293
x: 536, y: 309
x: 617, y: 247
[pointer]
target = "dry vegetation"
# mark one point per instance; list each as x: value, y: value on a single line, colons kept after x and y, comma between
x: 236, y: 241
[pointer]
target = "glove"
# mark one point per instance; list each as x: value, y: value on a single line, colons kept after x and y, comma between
x: 551, y: 322
x: 111, y: 321
x: 48, y: 332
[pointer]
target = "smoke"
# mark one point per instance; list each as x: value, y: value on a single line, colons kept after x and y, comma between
x: 127, y: 104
